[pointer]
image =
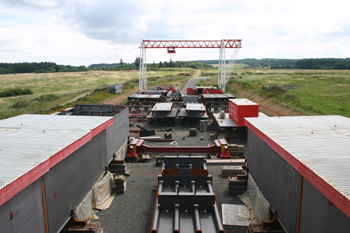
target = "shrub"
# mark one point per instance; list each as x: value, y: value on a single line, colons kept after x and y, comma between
x: 272, y: 91
x: 289, y: 98
x: 46, y: 98
x: 20, y: 104
x: 15, y: 92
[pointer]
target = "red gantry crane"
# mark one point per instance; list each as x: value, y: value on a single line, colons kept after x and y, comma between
x: 224, y: 70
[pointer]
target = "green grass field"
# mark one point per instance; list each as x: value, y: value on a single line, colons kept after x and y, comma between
x: 316, y: 91
x: 52, y: 89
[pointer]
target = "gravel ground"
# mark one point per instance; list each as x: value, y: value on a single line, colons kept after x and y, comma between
x: 133, y: 210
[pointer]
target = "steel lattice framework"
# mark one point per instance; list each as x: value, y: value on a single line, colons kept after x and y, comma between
x: 224, y: 70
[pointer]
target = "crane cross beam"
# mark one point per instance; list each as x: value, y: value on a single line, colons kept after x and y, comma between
x: 158, y: 44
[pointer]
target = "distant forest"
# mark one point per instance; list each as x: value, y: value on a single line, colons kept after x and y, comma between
x: 324, y: 63
x: 272, y: 63
x: 259, y: 63
x: 150, y: 66
x: 46, y: 67
x: 37, y: 67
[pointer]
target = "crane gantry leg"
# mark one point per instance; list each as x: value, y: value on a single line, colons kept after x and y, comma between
x: 221, y: 74
x: 143, y: 68
x: 225, y: 71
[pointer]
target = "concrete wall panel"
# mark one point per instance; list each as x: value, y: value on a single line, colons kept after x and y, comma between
x: 27, y: 211
x: 276, y: 179
x: 320, y: 215
x: 118, y: 133
x: 67, y: 183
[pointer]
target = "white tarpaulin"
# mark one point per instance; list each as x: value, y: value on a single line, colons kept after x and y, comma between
x: 102, y: 192
x: 235, y: 215
x: 84, y: 210
x: 121, y: 153
x: 100, y: 198
x: 258, y: 206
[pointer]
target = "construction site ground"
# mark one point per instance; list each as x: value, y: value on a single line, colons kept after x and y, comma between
x: 133, y: 210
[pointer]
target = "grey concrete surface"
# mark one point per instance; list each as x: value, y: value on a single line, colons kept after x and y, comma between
x: 191, y: 83
x: 133, y: 210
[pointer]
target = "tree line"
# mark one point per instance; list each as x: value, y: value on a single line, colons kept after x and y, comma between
x: 257, y: 63
x: 312, y: 63
x: 323, y: 63
x: 48, y: 67
x: 37, y: 67
x: 150, y: 66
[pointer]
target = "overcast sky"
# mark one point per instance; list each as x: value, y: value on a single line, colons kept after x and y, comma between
x: 84, y: 32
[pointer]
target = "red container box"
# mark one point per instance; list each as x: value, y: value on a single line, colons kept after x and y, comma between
x: 241, y: 108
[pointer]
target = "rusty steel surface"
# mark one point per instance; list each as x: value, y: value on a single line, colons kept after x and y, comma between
x: 213, y: 149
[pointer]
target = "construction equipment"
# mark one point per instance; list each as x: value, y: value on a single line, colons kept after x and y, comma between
x: 168, y: 135
x: 236, y: 185
x: 193, y: 132
x: 204, y: 90
x: 145, y: 132
x: 176, y: 96
x: 225, y: 70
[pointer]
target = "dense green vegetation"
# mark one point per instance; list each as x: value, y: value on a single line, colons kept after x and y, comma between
x: 257, y: 63
x: 50, y: 67
x: 317, y: 63
x: 15, y: 91
x: 151, y: 66
x: 37, y: 67
x: 272, y: 63
x: 323, y: 63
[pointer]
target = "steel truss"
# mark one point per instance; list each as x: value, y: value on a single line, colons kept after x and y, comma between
x: 224, y: 70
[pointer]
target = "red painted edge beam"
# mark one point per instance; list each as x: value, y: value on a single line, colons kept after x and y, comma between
x: 181, y: 149
x: 229, y: 43
x: 321, y: 185
x: 28, y: 178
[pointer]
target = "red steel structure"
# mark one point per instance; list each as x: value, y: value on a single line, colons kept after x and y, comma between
x: 189, y: 44
x: 171, y: 45
x: 241, y: 108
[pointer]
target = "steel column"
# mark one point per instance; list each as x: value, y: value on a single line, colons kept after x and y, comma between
x: 197, y: 220
x: 143, y: 68
x: 176, y: 218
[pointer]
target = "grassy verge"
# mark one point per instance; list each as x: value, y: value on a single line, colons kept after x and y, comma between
x: 51, y: 90
x: 308, y: 91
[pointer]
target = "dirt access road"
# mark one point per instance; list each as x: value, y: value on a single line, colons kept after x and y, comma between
x: 192, y: 82
x: 122, y: 98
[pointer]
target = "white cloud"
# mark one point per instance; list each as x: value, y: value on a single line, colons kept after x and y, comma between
x: 81, y: 32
